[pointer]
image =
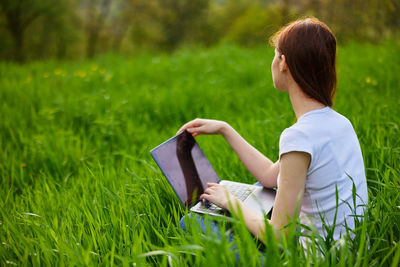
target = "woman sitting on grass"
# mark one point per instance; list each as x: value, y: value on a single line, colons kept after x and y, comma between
x: 319, y: 155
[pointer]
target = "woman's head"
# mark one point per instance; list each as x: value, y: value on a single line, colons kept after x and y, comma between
x: 309, y: 48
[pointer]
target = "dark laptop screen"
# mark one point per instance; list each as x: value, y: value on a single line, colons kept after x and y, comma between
x: 185, y: 166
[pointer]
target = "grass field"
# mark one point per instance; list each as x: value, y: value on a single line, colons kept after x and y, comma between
x: 78, y: 185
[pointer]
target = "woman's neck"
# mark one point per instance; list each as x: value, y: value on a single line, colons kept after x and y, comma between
x: 301, y: 102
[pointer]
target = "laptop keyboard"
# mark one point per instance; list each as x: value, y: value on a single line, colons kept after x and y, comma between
x: 238, y: 190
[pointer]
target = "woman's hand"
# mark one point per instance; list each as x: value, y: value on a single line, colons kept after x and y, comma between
x: 220, y: 196
x: 202, y: 126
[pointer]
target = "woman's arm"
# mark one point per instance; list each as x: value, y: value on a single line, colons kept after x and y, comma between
x: 292, y: 180
x: 263, y: 169
x: 293, y: 171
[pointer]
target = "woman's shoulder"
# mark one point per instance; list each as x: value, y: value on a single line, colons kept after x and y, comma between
x: 317, y: 128
x: 295, y: 138
x: 321, y: 122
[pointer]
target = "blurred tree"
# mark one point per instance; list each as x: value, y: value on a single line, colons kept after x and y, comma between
x: 73, y: 28
x: 167, y: 23
x: 121, y: 16
x: 286, y: 5
x: 130, y: 14
x: 95, y: 13
x: 249, y: 22
x: 255, y: 25
x: 225, y: 13
x: 19, y: 15
x: 55, y: 35
x: 178, y: 19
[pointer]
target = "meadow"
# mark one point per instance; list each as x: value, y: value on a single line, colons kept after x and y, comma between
x: 79, y: 187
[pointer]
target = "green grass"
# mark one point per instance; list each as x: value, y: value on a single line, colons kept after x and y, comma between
x: 78, y: 185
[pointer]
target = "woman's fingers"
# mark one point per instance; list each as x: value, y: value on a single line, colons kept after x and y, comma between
x: 210, y: 195
x: 209, y: 191
x: 202, y: 126
x: 217, y: 194
x: 182, y: 128
x: 191, y: 124
x: 214, y: 188
x: 207, y: 197
x: 194, y: 129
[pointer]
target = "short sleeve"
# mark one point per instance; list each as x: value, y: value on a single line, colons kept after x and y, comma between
x: 294, y: 140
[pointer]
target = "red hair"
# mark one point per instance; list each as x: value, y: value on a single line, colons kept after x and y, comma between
x: 309, y: 47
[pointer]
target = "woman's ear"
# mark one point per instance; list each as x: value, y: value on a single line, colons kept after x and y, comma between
x: 282, y: 64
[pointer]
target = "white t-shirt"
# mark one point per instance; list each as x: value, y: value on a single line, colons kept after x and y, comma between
x: 335, y: 157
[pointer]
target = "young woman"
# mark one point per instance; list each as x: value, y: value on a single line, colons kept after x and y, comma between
x: 319, y: 155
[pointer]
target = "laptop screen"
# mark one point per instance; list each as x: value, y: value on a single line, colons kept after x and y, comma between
x: 185, y: 166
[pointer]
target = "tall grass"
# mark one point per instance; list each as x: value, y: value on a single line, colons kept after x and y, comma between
x: 79, y: 187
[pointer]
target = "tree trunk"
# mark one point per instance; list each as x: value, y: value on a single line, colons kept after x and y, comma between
x: 16, y: 28
x: 18, y: 36
x: 95, y: 28
x: 91, y: 45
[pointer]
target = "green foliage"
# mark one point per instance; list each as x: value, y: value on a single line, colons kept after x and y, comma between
x: 75, y: 29
x: 255, y: 26
x: 79, y: 187
x: 19, y: 15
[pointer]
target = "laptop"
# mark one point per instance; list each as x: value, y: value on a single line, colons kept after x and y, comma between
x: 188, y: 171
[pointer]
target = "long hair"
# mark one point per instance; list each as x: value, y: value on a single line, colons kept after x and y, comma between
x: 309, y: 47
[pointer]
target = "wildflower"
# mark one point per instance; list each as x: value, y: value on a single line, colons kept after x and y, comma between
x: 80, y: 73
x: 94, y: 67
x: 368, y: 80
x: 58, y: 72
x: 46, y: 75
x: 23, y: 165
x: 28, y: 79
x: 108, y: 77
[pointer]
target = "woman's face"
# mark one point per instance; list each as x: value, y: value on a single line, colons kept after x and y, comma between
x: 277, y: 74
